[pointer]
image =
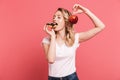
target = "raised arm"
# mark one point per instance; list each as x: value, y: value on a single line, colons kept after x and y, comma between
x: 98, y: 24
x: 50, y: 49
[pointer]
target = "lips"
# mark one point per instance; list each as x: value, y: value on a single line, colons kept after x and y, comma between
x: 55, y: 22
x: 52, y: 25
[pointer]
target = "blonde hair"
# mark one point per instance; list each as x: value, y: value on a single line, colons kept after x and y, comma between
x: 69, y: 30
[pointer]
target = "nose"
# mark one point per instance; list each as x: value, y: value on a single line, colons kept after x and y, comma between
x: 54, y: 19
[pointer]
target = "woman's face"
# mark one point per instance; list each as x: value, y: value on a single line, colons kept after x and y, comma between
x: 59, y: 19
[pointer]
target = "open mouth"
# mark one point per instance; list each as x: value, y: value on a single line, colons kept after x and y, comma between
x: 52, y: 24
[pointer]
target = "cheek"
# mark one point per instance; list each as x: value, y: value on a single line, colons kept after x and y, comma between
x: 62, y: 22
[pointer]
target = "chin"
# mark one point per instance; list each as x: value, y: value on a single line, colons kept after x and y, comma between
x: 59, y: 28
x: 56, y: 29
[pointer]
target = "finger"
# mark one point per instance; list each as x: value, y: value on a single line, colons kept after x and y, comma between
x: 52, y: 30
x: 81, y: 7
x: 74, y: 6
x: 44, y: 27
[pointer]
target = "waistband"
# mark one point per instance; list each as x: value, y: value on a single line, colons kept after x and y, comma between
x: 73, y: 75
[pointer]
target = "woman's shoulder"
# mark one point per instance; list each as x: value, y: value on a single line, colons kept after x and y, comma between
x: 46, y: 40
x: 76, y: 34
x: 77, y: 37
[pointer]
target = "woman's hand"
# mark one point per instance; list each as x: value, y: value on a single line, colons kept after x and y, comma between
x: 51, y: 32
x: 77, y: 9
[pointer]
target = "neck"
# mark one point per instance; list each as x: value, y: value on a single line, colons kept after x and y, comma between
x: 61, y: 34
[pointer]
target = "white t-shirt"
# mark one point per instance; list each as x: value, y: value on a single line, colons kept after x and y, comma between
x: 65, y: 59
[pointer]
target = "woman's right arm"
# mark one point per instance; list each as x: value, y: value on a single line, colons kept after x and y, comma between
x: 50, y: 49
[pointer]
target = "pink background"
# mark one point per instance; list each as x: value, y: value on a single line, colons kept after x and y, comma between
x: 21, y: 33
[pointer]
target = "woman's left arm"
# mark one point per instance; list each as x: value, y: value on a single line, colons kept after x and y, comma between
x: 99, y: 25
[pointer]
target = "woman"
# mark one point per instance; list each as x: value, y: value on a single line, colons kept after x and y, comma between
x: 60, y: 47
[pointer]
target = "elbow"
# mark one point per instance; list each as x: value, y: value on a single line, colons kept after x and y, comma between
x: 102, y: 26
x: 51, y: 61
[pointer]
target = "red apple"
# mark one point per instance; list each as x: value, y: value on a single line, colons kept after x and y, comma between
x: 73, y: 19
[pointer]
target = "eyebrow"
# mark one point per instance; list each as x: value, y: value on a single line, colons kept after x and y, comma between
x: 56, y: 15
